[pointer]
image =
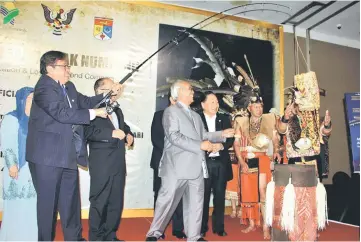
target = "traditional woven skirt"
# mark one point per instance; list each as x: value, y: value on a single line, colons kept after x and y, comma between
x: 304, y: 181
x: 249, y: 197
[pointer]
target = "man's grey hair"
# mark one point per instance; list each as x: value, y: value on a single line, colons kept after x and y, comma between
x: 174, y: 89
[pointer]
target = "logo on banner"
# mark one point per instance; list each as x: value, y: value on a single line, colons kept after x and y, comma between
x: 58, y: 20
x: 103, y: 28
x: 9, y: 11
x: 7, y: 93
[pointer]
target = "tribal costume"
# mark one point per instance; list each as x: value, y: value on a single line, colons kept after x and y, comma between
x: 255, y: 139
x: 302, y: 194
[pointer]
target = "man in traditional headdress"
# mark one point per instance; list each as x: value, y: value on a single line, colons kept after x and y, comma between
x: 255, y: 135
x: 303, y: 134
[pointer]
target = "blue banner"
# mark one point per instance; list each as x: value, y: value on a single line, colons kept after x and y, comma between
x: 352, y: 101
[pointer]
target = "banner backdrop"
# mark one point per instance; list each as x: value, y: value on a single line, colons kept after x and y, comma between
x: 109, y: 39
x: 352, y: 101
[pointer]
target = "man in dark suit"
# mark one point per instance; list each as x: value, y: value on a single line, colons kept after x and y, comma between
x: 157, y: 132
x: 107, y: 139
x: 218, y: 163
x: 50, y: 150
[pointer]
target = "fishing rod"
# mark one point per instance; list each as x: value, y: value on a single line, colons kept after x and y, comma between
x: 176, y: 41
x: 77, y: 129
x: 246, y: 11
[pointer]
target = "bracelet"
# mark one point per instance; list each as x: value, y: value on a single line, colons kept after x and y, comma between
x: 328, y: 126
x: 284, y: 120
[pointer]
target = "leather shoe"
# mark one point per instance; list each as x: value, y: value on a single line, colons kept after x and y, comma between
x: 201, y: 239
x: 116, y: 239
x: 162, y: 236
x: 151, y: 239
x: 222, y: 233
x: 179, y: 234
x: 81, y: 239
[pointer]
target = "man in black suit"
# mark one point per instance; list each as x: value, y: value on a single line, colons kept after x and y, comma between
x: 157, y: 133
x: 107, y: 139
x: 50, y: 149
x: 218, y: 163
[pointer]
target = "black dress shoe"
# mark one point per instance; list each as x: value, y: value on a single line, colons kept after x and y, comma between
x: 179, y: 234
x: 162, y: 236
x: 222, y: 233
x: 201, y: 239
x: 151, y: 239
x: 116, y: 239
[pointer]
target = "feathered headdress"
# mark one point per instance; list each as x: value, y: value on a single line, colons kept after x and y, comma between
x: 249, y: 93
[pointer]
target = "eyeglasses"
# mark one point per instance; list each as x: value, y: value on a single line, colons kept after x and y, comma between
x: 65, y: 66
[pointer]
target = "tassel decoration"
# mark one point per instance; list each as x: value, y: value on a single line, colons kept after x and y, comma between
x: 270, y: 202
x: 321, y: 201
x: 288, y: 207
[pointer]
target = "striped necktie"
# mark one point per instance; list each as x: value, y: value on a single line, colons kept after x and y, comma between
x: 66, y: 95
x: 64, y: 90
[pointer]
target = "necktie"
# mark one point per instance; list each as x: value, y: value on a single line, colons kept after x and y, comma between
x: 190, y: 115
x: 64, y: 90
x: 66, y: 95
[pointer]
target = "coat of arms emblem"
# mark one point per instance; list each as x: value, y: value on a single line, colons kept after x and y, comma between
x: 58, y: 19
x: 103, y: 28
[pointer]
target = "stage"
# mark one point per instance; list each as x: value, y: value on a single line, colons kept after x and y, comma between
x: 134, y: 229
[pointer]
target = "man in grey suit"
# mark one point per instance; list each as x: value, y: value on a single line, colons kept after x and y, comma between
x: 183, y: 167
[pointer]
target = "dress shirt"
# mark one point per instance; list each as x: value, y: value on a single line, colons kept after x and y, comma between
x: 187, y: 108
x: 115, y: 120
x: 211, y: 123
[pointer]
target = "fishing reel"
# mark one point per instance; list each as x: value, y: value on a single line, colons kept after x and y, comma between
x: 110, y: 107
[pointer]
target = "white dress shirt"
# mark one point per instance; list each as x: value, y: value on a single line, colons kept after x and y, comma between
x: 211, y: 123
x: 115, y: 120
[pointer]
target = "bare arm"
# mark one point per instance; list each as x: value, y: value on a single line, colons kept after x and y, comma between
x: 275, y: 141
x: 237, y: 148
x: 282, y: 123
